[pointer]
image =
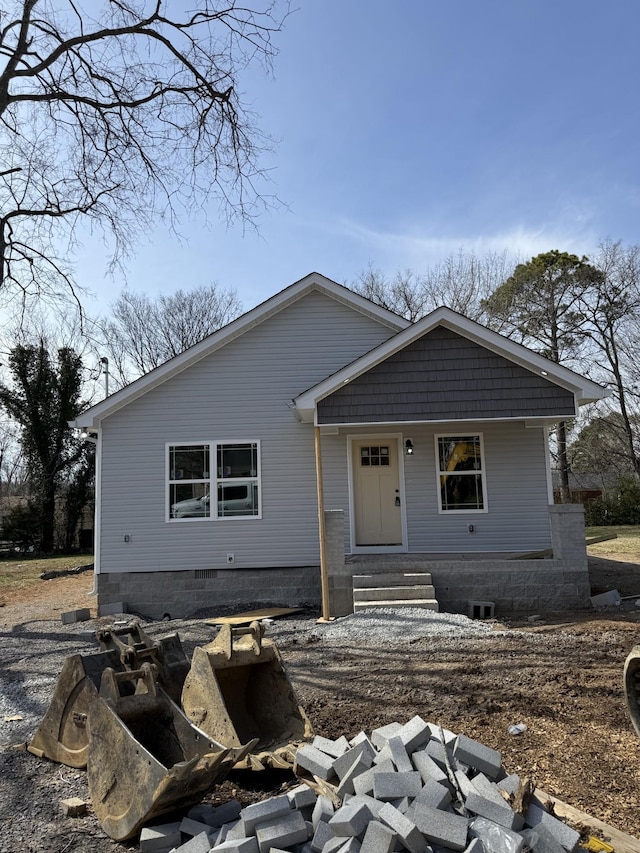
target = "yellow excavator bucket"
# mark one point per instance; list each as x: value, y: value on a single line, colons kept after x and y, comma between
x: 63, y: 734
x: 237, y: 690
x: 145, y: 757
x: 631, y: 678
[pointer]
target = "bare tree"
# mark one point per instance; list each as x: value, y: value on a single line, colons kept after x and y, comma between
x: 461, y: 281
x: 611, y: 307
x: 117, y: 113
x: 144, y: 332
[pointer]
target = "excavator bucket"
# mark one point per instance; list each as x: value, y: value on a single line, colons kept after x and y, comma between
x: 632, y: 686
x: 145, y: 757
x: 136, y: 647
x: 62, y: 735
x: 237, y: 690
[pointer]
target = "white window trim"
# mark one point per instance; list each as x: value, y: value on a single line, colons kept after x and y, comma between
x: 212, y: 480
x: 483, y: 459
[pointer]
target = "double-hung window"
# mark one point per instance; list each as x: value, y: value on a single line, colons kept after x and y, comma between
x: 214, y: 480
x: 460, y: 461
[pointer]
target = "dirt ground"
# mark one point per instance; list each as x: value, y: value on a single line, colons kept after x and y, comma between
x: 560, y: 676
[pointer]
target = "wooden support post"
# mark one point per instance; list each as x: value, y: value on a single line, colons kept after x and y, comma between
x: 324, y: 577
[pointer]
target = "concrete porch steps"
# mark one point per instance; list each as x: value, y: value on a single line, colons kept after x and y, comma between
x: 394, y: 589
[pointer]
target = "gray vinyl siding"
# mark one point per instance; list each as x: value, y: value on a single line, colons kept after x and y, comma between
x: 515, y: 482
x: 443, y: 376
x: 242, y: 392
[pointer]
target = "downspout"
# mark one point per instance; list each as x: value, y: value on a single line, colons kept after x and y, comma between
x: 324, y: 577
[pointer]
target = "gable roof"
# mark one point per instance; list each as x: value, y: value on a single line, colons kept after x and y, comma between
x: 584, y: 390
x: 90, y: 419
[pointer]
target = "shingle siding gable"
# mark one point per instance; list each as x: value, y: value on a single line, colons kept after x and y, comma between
x: 444, y: 376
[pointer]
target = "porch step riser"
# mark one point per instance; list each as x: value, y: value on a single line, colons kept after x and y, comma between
x: 387, y: 593
x: 423, y: 604
x: 388, y: 579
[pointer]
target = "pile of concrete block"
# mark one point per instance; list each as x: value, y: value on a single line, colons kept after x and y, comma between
x: 414, y: 787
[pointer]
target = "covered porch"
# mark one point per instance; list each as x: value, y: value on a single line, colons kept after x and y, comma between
x: 512, y: 582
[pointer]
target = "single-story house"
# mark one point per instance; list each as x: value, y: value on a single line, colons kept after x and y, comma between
x: 320, y: 436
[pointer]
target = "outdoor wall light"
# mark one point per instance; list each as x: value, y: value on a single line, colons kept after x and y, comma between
x: 408, y: 447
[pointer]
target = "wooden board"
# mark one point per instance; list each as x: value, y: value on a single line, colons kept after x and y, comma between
x: 253, y: 616
x: 620, y: 841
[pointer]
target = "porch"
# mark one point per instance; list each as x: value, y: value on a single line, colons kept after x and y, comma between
x: 513, y: 582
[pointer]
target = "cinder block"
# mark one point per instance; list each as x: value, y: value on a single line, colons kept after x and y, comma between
x: 80, y: 615
x: 611, y: 598
x: 463, y: 785
x: 541, y: 841
x: 372, y: 804
x: 381, y: 735
x: 378, y: 838
x: 235, y: 831
x: 415, y: 734
x: 194, y: 827
x: 510, y: 784
x: 314, y: 761
x: 399, y: 755
x: 363, y: 783
x: 322, y: 811
x: 383, y: 755
x: 203, y: 813
x: 334, y: 844
x: 334, y: 748
x: 408, y: 833
x: 440, y: 827
x: 201, y: 844
x: 321, y: 835
x: 433, y: 794
x: 428, y: 769
x: 112, y: 609
x: 302, y: 797
x: 401, y: 804
x: 359, y: 738
x: 225, y: 813
x: 350, y: 820
x: 489, y: 790
x: 500, y: 814
x: 266, y: 810
x: 284, y: 831
x: 478, y: 756
x: 353, y: 845
x: 441, y: 754
x: 160, y: 838
x: 242, y: 845
x: 564, y: 835
x: 347, y: 782
x: 393, y: 786
x: 439, y: 733
x: 363, y: 750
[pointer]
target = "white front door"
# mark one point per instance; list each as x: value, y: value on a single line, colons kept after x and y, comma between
x: 376, y: 492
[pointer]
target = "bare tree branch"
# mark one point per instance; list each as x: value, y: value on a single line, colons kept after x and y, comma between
x: 117, y: 114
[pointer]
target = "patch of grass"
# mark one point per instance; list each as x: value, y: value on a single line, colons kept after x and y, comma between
x: 625, y: 547
x: 25, y: 571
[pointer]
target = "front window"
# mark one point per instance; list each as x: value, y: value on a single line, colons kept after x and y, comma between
x: 460, y: 473
x: 234, y: 481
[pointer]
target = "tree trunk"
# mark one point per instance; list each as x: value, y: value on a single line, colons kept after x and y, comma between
x: 47, y: 520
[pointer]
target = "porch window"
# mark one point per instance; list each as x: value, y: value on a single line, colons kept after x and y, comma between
x: 234, y: 481
x: 460, y: 473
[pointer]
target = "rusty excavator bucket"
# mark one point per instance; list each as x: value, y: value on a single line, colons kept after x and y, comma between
x: 632, y: 686
x: 63, y: 735
x: 237, y: 690
x: 145, y: 757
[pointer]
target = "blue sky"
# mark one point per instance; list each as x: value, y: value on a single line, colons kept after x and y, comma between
x: 409, y: 130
